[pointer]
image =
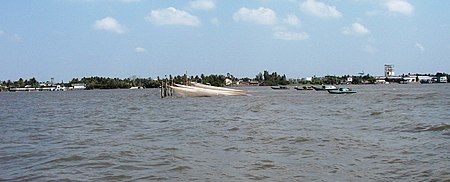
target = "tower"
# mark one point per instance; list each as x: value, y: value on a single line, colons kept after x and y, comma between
x: 388, y: 70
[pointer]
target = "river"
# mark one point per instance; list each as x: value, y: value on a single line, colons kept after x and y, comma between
x: 382, y: 133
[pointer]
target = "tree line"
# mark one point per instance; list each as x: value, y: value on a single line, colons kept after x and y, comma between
x: 271, y: 79
x: 21, y: 83
x: 336, y: 80
x: 97, y: 82
x: 264, y: 78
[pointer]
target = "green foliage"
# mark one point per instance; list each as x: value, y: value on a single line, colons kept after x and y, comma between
x: 271, y: 79
x: 333, y: 80
x: 22, y: 83
x: 115, y: 83
x: 143, y: 82
x: 265, y: 79
x: 438, y: 74
x: 214, y: 80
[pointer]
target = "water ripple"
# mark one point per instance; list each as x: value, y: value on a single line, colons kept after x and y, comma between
x: 383, y: 133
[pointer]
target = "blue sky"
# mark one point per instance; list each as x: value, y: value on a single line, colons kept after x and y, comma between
x: 64, y: 39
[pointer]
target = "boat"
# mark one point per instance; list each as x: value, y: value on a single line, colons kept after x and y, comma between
x: 280, y: 87
x: 325, y: 88
x: 136, y: 88
x: 197, y: 91
x: 426, y: 81
x: 342, y: 91
x: 215, y: 88
x: 304, y: 88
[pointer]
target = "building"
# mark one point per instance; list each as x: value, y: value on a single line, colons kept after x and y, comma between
x: 308, y: 79
x: 389, y: 70
x: 349, y: 79
x: 78, y: 86
x: 3, y: 88
x: 247, y: 83
x: 228, y: 82
x: 381, y: 80
x: 423, y: 79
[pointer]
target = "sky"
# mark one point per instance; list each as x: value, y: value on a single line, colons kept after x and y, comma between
x: 65, y: 39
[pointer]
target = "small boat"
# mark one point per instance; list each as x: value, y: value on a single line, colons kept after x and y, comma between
x: 425, y: 81
x: 195, y: 91
x: 325, y: 88
x: 342, y: 91
x: 136, y: 88
x: 280, y: 87
x: 304, y: 88
x: 215, y: 88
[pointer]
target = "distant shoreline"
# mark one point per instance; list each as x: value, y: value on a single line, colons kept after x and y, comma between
x: 262, y: 79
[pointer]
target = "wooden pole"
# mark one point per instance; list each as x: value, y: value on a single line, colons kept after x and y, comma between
x: 165, y: 88
x: 170, y: 85
x: 166, y: 92
x: 186, y: 79
x: 170, y: 88
x: 160, y: 87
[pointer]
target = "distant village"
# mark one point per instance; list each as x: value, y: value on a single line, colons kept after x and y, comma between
x: 24, y: 85
x: 389, y: 77
x: 262, y: 79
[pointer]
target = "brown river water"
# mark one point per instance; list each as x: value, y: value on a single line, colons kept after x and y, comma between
x: 382, y: 133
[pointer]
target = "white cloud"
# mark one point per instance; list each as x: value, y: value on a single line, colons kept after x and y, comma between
x: 420, y: 47
x: 264, y: 16
x: 172, y: 16
x: 399, y: 6
x: 356, y: 29
x: 109, y: 24
x: 11, y: 37
x: 292, y: 20
x: 215, y: 21
x: 203, y: 4
x: 16, y: 38
x: 140, y: 50
x: 320, y: 9
x: 291, y: 35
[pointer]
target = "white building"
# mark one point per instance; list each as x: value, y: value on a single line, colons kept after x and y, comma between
x: 228, y: 82
x: 389, y: 70
x: 349, y: 79
x: 307, y: 79
x: 78, y: 86
x: 425, y: 78
x: 415, y: 78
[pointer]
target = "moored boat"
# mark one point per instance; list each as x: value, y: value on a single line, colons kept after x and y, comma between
x: 215, y: 88
x: 304, y: 88
x: 280, y: 87
x: 194, y: 91
x: 342, y: 91
x: 325, y: 88
x: 136, y: 88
